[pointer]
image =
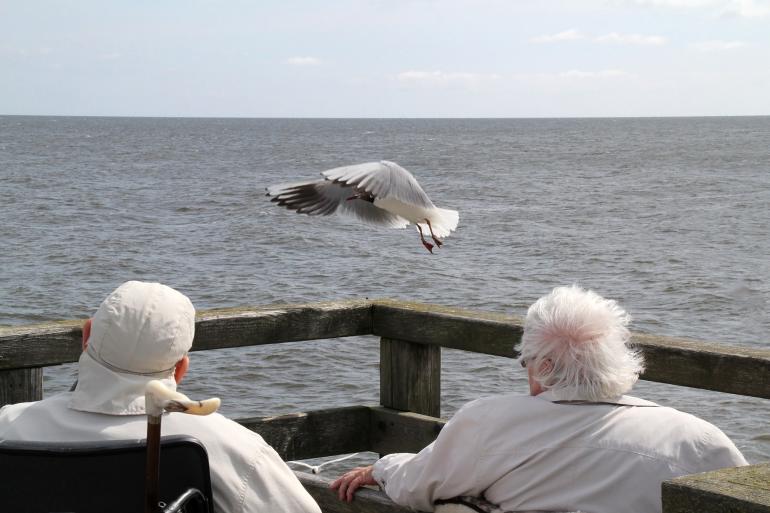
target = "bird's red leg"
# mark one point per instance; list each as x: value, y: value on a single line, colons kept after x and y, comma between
x: 438, y: 242
x: 425, y: 243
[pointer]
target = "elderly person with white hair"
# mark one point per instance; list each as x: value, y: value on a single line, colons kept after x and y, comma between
x: 140, y: 333
x: 575, y: 443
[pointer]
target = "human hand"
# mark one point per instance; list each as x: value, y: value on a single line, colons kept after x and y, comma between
x: 347, y: 484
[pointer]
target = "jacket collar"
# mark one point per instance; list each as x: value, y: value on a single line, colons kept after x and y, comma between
x: 103, y: 390
x: 570, y: 397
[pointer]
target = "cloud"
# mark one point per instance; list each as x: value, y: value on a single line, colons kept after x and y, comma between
x: 441, y: 78
x: 567, y: 35
x: 718, y: 46
x: 605, y: 73
x: 676, y: 3
x: 746, y: 9
x: 26, y: 53
x: 631, y: 39
x: 303, y: 61
x: 109, y: 56
x: 573, y: 77
x: 739, y: 8
x: 612, y: 37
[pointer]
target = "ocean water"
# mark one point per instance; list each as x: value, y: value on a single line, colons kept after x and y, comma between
x: 668, y: 216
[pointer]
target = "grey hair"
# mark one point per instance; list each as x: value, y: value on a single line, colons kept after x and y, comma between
x: 577, y: 344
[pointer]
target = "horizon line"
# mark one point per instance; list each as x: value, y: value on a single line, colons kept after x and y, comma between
x: 383, y: 117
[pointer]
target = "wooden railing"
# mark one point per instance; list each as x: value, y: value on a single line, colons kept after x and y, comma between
x: 411, y: 337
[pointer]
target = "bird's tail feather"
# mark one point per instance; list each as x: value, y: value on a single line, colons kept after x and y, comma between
x: 443, y: 222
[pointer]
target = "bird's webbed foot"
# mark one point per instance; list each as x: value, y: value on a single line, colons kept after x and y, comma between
x: 432, y: 235
x: 425, y: 243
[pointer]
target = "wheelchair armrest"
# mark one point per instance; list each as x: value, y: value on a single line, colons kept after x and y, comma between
x: 192, y: 497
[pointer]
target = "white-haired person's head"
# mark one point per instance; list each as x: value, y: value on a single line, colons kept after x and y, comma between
x: 575, y: 343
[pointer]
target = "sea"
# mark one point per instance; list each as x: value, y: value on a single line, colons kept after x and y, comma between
x: 668, y: 216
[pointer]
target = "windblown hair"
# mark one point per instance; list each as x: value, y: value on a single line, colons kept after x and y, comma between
x: 576, y: 343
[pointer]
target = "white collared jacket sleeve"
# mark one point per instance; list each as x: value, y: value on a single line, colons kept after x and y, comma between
x: 444, y: 469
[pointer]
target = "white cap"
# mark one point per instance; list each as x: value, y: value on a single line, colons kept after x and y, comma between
x: 142, y: 328
x: 138, y: 333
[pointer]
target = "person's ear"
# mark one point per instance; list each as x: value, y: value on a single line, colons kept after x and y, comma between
x: 181, y: 368
x: 534, y: 386
x: 545, y: 367
x: 86, y: 333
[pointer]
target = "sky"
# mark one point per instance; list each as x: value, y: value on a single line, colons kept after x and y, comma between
x: 385, y: 58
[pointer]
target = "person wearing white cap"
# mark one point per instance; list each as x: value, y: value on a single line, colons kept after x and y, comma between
x: 574, y: 443
x: 142, y: 332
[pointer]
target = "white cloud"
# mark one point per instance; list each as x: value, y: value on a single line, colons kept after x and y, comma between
x: 746, y: 9
x: 605, y: 73
x: 303, y: 61
x: 109, y: 56
x: 573, y: 76
x: 631, y: 39
x: 26, y: 52
x: 612, y: 37
x: 718, y: 46
x: 676, y: 3
x: 740, y: 8
x: 567, y: 35
x: 441, y: 78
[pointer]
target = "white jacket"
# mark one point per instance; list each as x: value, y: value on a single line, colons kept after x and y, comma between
x: 247, y: 475
x: 529, y: 453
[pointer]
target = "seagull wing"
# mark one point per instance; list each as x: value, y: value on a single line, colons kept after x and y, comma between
x: 381, y: 180
x: 323, y: 198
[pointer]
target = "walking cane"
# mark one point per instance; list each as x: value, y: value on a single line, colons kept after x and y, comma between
x: 159, y: 398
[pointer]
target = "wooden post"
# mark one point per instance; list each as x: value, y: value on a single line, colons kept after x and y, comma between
x: 21, y: 385
x: 410, y: 376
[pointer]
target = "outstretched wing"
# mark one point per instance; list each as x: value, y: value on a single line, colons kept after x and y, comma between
x: 381, y: 180
x: 323, y: 198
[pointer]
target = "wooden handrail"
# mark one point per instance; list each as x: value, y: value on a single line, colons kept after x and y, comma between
x: 710, y: 366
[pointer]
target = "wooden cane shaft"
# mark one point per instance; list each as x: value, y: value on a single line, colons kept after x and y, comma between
x: 153, y: 465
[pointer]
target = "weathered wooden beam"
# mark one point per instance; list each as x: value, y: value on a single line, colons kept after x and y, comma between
x: 735, y: 370
x: 366, y: 500
x: 705, y: 365
x: 482, y: 332
x: 56, y: 343
x: 40, y: 345
x: 21, y: 385
x: 314, y: 434
x: 398, y: 431
x: 410, y: 376
x: 237, y: 327
x: 677, y: 361
x: 744, y: 489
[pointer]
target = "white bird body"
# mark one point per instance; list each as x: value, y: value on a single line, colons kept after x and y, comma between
x: 381, y: 193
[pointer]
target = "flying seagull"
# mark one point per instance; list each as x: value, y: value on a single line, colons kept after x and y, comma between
x: 381, y: 193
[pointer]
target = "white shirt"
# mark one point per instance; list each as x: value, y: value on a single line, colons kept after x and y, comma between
x: 247, y: 475
x: 532, y: 453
